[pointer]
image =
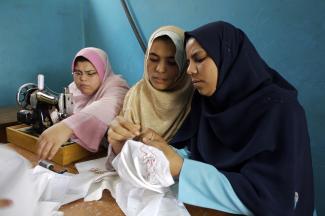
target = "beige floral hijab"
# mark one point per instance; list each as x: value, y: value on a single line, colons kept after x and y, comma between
x: 162, y: 111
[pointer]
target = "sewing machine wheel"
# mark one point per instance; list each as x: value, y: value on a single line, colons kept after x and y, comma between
x: 24, y: 93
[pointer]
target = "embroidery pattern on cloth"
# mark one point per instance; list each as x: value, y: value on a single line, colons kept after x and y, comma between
x: 149, y: 164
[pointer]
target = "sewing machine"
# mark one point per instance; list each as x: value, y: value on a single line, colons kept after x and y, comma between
x: 40, y: 107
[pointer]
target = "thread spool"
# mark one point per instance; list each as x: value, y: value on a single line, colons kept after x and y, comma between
x: 40, y: 82
x: 46, y: 164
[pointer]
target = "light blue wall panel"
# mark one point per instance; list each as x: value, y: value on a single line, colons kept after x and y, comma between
x: 37, y: 37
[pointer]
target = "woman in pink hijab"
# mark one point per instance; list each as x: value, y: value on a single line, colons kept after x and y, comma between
x: 97, y: 96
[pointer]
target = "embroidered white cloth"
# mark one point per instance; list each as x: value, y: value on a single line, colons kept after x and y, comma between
x: 143, y: 189
x: 143, y: 166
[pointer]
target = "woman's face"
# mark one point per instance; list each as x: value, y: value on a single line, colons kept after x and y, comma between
x: 86, y: 77
x: 201, y: 68
x: 161, y: 65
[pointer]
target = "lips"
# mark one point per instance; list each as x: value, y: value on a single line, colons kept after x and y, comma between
x: 83, y: 86
x: 196, y: 81
x: 159, y: 79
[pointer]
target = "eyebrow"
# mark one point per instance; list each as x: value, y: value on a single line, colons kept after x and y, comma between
x: 85, y: 70
x: 197, y: 52
x: 154, y: 54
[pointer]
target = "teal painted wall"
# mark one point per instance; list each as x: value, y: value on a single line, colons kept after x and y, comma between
x: 107, y: 27
x: 37, y: 36
x: 43, y: 36
x: 288, y: 34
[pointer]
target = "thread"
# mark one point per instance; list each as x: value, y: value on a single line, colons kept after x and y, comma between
x: 40, y: 82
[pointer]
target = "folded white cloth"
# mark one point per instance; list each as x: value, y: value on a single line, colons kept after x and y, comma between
x: 51, y: 185
x: 19, y: 184
x: 92, y: 179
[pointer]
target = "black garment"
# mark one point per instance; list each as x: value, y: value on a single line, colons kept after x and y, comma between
x: 252, y: 129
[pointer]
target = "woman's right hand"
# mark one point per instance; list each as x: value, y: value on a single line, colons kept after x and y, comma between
x: 119, y: 131
x: 50, y: 141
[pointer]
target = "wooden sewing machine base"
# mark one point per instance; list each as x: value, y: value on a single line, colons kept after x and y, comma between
x: 22, y: 136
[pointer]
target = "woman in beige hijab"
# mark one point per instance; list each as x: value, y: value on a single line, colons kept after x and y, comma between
x: 161, y: 100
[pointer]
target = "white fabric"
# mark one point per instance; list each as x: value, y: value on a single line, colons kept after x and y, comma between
x: 97, y: 165
x: 52, y: 186
x: 143, y: 189
x: 143, y: 166
x: 109, y: 158
x: 82, y: 184
x: 143, y: 202
x: 39, y: 191
x: 19, y: 184
x: 93, y: 178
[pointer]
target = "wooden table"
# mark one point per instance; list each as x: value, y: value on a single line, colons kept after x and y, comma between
x: 105, y: 206
x: 8, y: 117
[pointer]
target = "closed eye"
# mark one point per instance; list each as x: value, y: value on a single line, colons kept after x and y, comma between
x: 199, y: 58
x: 171, y: 61
x: 153, y: 59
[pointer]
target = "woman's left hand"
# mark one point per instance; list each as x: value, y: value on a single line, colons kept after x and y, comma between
x: 150, y: 137
x: 51, y: 140
x: 4, y: 203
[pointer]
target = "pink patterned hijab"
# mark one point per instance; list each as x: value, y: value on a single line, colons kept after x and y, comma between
x: 101, y: 104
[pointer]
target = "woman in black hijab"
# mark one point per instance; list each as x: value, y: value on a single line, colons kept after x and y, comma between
x: 247, y: 124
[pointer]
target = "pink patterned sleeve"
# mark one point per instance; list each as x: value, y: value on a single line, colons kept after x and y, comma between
x: 87, y: 129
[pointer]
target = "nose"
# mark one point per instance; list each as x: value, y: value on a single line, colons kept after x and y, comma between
x: 161, y: 67
x: 191, y: 68
x: 83, y: 76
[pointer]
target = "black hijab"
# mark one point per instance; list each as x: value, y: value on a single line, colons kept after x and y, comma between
x: 252, y: 129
